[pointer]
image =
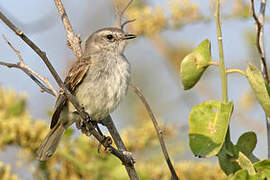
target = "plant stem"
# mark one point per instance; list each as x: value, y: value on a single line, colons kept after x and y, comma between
x: 221, y: 55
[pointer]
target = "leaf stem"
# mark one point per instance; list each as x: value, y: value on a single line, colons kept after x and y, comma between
x: 235, y: 71
x: 221, y: 55
x: 213, y: 63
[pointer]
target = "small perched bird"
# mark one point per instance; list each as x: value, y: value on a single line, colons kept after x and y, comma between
x: 98, y: 80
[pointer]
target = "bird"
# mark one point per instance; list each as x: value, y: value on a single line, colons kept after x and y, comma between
x: 99, y: 80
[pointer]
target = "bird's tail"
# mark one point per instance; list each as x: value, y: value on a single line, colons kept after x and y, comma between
x: 50, y: 143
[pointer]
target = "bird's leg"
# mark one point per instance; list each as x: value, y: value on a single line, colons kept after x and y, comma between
x: 107, y: 140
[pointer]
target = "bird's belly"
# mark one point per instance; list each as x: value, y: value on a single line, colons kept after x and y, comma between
x: 101, y: 95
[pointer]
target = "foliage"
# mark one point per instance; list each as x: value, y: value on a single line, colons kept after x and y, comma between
x: 209, y: 121
x: 5, y: 173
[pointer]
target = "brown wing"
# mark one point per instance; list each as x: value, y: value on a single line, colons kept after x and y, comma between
x: 75, y: 76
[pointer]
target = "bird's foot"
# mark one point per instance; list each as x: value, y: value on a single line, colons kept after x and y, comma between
x: 84, y: 126
x: 106, y: 142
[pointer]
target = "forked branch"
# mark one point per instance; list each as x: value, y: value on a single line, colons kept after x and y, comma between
x: 120, y: 14
x: 37, y: 78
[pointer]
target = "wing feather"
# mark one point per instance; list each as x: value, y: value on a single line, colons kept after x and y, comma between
x: 74, y: 78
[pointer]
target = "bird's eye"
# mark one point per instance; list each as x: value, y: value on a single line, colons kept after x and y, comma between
x: 109, y: 37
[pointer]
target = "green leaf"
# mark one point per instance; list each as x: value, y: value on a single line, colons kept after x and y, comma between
x: 247, y: 142
x: 246, y: 164
x: 257, y: 83
x: 208, y: 127
x: 229, y: 153
x: 262, y: 169
x: 194, y: 64
x: 227, y: 160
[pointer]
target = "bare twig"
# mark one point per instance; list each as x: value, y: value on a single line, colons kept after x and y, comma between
x: 260, y: 46
x: 158, y: 131
x: 30, y: 72
x: 126, y: 160
x: 40, y: 84
x: 260, y: 36
x: 120, y: 13
x: 72, y: 39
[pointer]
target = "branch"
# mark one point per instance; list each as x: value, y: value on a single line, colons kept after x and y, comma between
x: 108, y: 122
x: 158, y: 131
x: 31, y: 73
x: 126, y: 160
x: 260, y: 36
x: 260, y: 47
x: 73, y: 40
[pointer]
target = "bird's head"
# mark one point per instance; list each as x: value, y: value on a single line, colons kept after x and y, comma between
x: 111, y: 40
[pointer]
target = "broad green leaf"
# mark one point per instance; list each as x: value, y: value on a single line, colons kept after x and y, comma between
x: 194, y: 64
x: 262, y: 169
x: 229, y: 153
x: 208, y: 127
x: 247, y: 142
x: 257, y: 83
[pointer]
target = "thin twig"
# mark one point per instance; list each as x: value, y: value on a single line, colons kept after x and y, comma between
x: 260, y: 36
x: 30, y: 72
x: 260, y: 47
x: 73, y: 40
x: 120, y: 13
x: 158, y: 131
x: 40, y: 84
x: 126, y: 160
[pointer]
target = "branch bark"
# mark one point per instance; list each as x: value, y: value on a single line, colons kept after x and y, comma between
x: 259, y: 20
x: 108, y: 122
x: 158, y: 131
x: 73, y: 40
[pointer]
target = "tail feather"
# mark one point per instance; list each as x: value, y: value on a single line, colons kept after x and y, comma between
x: 50, y: 143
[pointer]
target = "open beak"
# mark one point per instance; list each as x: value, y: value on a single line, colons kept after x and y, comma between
x: 129, y: 36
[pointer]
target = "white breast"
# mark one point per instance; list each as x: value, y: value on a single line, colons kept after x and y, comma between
x: 104, y: 87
